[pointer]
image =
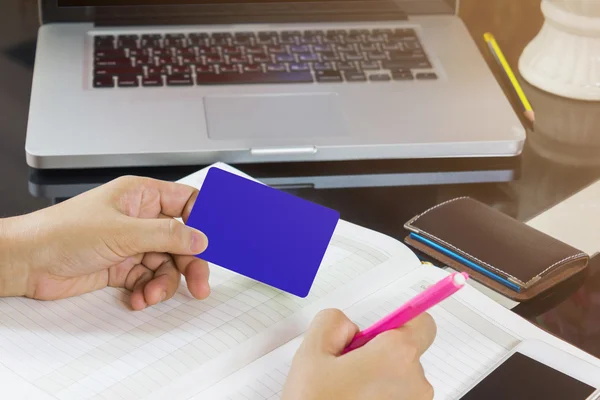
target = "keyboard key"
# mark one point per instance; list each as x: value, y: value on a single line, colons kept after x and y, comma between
x: 322, y: 48
x: 300, y: 49
x: 369, y: 65
x: 360, y: 32
x: 144, y: 61
x: 323, y: 66
x: 198, y: 39
x: 267, y: 37
x: 222, y: 35
x: 242, y: 41
x: 167, y: 60
x: 149, y: 41
x: 308, y: 57
x: 284, y: 39
x: 229, y: 69
x: 332, y: 39
x: 109, y: 54
x: 328, y: 76
x: 255, y: 50
x: 346, y: 66
x: 152, y: 81
x: 427, y: 75
x: 139, y: 53
x: 104, y: 82
x: 180, y: 80
x: 176, y: 41
x: 299, y: 67
x: 190, y: 60
x: 202, y: 50
x: 330, y: 57
x: 276, y: 49
x: 180, y: 70
x: 291, y: 33
x: 309, y: 40
x: 231, y: 50
x: 345, y: 48
x: 118, y: 71
x: 314, y: 32
x: 404, y: 32
x: 353, y: 39
x: 376, y: 56
x: 243, y: 35
x: 220, y: 41
x: 186, y: 52
x: 128, y: 81
x: 353, y: 76
x: 276, y: 67
x: 104, y: 42
x: 402, y: 75
x: 154, y: 70
x: 261, y: 59
x: 127, y: 42
x: 375, y: 38
x: 255, y: 78
x: 252, y: 68
x: 205, y: 69
x: 379, y: 77
x: 285, y: 58
x: 113, y: 62
x: 384, y: 31
x: 161, y: 52
x: 407, y: 55
x: 353, y: 56
x: 238, y: 59
x: 368, y: 47
x: 408, y: 64
x: 390, y: 46
x: 214, y: 59
x: 412, y: 46
x: 336, y: 32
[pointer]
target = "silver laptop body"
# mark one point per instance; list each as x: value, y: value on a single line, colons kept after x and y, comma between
x: 143, y: 83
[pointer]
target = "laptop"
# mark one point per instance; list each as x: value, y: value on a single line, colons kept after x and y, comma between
x: 127, y: 83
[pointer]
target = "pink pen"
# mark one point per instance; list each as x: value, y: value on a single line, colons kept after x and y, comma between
x: 422, y: 302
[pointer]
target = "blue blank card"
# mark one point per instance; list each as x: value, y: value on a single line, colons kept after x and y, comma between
x: 262, y: 233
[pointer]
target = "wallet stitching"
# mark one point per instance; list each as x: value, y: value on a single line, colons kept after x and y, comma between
x: 434, y: 207
x: 564, y: 260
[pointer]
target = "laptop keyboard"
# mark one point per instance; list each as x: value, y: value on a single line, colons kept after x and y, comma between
x: 270, y: 57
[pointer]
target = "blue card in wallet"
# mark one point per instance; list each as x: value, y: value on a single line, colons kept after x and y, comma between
x: 262, y: 233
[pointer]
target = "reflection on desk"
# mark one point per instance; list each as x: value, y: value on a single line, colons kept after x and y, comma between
x: 326, y: 175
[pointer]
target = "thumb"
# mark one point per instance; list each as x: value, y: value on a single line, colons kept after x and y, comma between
x: 330, y: 332
x: 163, y: 235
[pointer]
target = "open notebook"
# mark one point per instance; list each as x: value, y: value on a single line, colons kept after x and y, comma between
x: 238, y: 344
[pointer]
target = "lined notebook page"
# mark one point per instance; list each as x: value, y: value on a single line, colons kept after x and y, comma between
x: 94, y: 347
x: 466, y: 346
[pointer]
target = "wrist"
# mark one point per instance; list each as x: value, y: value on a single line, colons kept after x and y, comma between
x: 14, y: 270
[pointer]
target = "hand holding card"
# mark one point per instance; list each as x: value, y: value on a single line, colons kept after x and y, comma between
x: 262, y: 233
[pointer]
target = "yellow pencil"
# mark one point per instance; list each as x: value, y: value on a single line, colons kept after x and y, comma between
x: 495, y: 49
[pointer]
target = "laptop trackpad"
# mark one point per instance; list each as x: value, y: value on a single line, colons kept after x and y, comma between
x: 273, y: 116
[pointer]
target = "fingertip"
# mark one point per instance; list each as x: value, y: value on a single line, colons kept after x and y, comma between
x: 137, y: 301
x: 199, y: 242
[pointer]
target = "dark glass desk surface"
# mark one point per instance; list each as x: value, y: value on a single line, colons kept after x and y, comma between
x: 561, y: 157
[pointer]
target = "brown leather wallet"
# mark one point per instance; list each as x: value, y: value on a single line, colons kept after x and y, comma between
x: 502, y: 253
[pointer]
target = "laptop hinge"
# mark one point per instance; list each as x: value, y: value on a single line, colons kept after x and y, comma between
x: 252, y: 13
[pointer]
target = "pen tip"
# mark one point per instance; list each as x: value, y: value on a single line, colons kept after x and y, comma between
x: 530, y: 115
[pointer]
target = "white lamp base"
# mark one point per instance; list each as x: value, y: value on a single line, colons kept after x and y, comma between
x: 564, y: 59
